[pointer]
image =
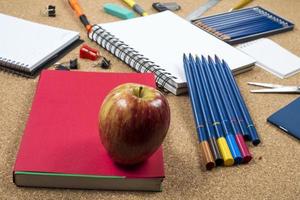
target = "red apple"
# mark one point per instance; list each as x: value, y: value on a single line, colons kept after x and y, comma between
x: 133, y: 122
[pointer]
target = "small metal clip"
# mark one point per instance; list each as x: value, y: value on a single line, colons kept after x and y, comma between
x: 49, y: 11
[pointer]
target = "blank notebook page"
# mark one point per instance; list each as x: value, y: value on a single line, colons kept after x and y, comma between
x: 164, y: 37
x: 272, y: 57
x: 31, y: 43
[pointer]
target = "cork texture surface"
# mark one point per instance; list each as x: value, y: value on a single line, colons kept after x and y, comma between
x: 274, y: 173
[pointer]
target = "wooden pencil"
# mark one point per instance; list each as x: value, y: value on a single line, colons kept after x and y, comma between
x: 197, y: 111
x: 212, y: 136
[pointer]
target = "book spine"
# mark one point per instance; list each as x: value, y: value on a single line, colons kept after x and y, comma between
x: 133, y: 58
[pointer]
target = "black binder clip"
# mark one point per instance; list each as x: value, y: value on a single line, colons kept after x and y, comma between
x: 73, y: 64
x: 49, y: 11
x: 104, y: 64
x: 62, y: 67
x: 172, y: 6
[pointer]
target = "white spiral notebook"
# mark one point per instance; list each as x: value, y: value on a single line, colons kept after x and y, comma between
x: 26, y: 47
x: 156, y: 43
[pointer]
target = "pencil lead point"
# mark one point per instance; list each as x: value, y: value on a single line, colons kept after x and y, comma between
x: 184, y: 58
x: 217, y: 60
x: 198, y: 59
x: 210, y: 60
x: 203, y: 59
x: 191, y: 58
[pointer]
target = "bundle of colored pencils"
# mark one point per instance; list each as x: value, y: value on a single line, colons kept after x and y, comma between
x: 221, y: 116
x: 241, y: 24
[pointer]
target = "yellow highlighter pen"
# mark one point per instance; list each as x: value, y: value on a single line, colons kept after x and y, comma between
x: 137, y: 8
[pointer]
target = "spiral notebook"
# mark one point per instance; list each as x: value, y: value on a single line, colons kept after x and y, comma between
x: 157, y: 42
x: 26, y: 47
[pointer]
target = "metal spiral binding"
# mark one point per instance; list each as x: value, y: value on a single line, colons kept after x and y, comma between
x: 10, y: 64
x: 131, y: 57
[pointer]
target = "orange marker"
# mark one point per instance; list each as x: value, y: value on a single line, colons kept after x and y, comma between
x: 76, y: 7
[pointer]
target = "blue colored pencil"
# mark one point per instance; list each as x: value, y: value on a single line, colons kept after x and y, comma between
x: 239, y: 24
x: 231, y: 27
x: 221, y: 141
x: 241, y: 104
x: 252, y: 30
x: 238, y: 114
x: 206, y: 115
x: 230, y: 109
x: 200, y: 118
x: 236, y: 154
x: 254, y: 26
x: 227, y: 16
x: 240, y: 21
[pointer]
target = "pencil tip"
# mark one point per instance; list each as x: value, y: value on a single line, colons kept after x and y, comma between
x: 191, y: 59
x: 203, y: 59
x: 210, y: 60
x: 217, y: 60
x: 184, y: 59
x: 198, y: 59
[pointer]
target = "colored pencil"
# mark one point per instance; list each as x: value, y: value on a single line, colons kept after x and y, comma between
x: 239, y: 115
x: 205, y: 113
x: 232, y: 15
x: 241, y: 104
x: 197, y: 111
x: 244, y: 31
x: 235, y: 152
x: 241, y: 23
x: 221, y: 141
x: 229, y: 106
x: 233, y: 20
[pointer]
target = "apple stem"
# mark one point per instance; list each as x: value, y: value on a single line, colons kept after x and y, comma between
x: 140, y: 91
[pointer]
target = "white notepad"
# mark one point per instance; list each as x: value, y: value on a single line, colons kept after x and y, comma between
x: 163, y: 38
x: 272, y: 57
x: 25, y: 45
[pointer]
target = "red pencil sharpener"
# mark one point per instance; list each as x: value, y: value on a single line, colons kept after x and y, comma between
x: 90, y: 53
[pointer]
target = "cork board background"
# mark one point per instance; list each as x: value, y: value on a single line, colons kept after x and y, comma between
x: 274, y: 173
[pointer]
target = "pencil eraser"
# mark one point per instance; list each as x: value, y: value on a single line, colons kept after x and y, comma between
x: 118, y: 11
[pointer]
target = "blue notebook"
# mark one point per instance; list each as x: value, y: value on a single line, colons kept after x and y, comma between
x: 288, y: 118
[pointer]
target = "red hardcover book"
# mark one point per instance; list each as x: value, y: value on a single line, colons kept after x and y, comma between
x: 61, y: 145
